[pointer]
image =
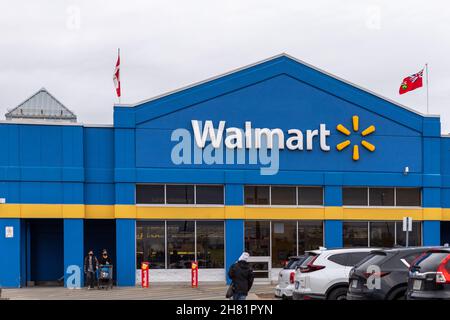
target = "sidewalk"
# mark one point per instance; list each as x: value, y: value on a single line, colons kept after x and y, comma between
x: 155, y: 292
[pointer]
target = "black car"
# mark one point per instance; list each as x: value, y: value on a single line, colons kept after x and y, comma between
x: 429, y: 276
x: 383, y: 275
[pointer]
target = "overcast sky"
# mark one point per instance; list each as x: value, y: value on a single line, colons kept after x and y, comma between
x: 70, y: 47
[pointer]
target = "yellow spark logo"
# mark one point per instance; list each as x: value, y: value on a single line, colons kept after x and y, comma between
x: 344, y: 144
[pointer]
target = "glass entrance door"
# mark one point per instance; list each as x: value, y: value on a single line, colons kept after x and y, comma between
x: 258, y: 244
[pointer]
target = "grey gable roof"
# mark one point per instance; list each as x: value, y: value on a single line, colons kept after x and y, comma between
x: 41, y: 105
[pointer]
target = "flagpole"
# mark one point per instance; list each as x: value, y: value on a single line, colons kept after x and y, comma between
x: 118, y: 54
x: 426, y: 69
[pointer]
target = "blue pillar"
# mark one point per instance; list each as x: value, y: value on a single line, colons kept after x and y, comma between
x: 234, y: 242
x: 73, y: 253
x: 333, y: 228
x: 126, y: 252
x: 431, y: 233
x: 333, y: 234
x: 10, y: 254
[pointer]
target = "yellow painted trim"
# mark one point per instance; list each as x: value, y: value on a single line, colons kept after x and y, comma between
x: 10, y: 210
x: 333, y: 213
x: 254, y: 213
x: 99, y: 212
x: 180, y: 212
x: 219, y: 213
x: 382, y: 213
x: 445, y: 214
x: 432, y: 213
x: 124, y: 211
x: 234, y: 212
x: 41, y: 211
x: 75, y: 211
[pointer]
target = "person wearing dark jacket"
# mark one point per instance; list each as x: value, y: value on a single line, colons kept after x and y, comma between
x: 241, y: 275
x: 105, y: 259
x: 90, y: 267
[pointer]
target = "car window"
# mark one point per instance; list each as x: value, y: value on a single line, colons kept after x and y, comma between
x: 374, y: 259
x: 339, y: 258
x: 355, y: 257
x: 429, y: 261
x: 411, y: 257
x: 292, y: 264
x: 307, y: 260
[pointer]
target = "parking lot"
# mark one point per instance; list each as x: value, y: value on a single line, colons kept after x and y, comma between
x: 155, y: 292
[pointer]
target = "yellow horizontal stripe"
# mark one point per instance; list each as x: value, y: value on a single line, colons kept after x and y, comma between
x: 217, y: 212
x: 99, y: 212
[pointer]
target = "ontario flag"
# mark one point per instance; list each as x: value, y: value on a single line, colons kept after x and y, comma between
x: 411, y: 83
x: 116, y: 77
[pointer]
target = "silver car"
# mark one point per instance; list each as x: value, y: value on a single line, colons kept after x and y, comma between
x: 286, y: 277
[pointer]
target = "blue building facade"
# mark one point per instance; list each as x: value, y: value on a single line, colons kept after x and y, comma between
x: 343, y: 169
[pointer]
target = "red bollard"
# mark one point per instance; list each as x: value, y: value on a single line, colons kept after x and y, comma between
x: 144, y: 274
x: 194, y: 274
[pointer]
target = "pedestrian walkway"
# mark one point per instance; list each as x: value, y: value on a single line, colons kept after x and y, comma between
x: 155, y: 292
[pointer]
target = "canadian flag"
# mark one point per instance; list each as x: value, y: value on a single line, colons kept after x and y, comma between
x: 116, y: 77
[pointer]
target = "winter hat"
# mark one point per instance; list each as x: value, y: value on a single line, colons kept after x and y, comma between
x: 244, y: 257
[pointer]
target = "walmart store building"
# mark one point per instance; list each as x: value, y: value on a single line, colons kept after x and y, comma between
x: 157, y: 186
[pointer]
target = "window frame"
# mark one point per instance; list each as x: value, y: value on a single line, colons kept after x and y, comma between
x: 165, y: 204
x: 383, y: 207
x: 297, y: 205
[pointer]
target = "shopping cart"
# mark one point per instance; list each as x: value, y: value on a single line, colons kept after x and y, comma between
x: 105, y: 276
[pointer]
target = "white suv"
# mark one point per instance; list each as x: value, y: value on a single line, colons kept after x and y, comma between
x: 325, y: 273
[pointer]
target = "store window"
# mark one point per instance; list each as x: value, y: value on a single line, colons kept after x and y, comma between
x: 257, y: 238
x: 150, y: 243
x: 408, y: 197
x: 284, y: 196
x: 414, y: 237
x: 180, y: 244
x: 209, y: 194
x: 149, y: 194
x: 382, y: 234
x: 381, y: 197
x: 257, y: 195
x: 284, y: 242
x: 354, y: 196
x: 310, y: 196
x: 180, y: 194
x: 210, y: 244
x: 355, y: 234
x: 310, y: 235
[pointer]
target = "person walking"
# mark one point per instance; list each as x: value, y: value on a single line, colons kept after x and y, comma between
x: 241, y: 275
x: 105, y: 259
x: 90, y: 268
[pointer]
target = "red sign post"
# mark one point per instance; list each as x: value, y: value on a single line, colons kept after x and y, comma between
x: 194, y: 274
x: 144, y: 274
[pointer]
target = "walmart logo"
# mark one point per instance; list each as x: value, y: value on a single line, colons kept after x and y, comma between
x: 344, y: 144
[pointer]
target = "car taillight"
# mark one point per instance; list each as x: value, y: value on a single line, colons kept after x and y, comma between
x: 376, y: 274
x: 292, y: 277
x: 443, y: 273
x: 310, y: 267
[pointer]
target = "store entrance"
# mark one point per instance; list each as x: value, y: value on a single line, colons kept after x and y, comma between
x: 257, y: 244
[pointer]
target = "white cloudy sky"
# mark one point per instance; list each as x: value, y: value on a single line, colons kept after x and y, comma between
x: 70, y: 47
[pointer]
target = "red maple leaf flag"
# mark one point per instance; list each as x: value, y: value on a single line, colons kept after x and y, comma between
x: 411, y: 83
x: 116, y: 77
